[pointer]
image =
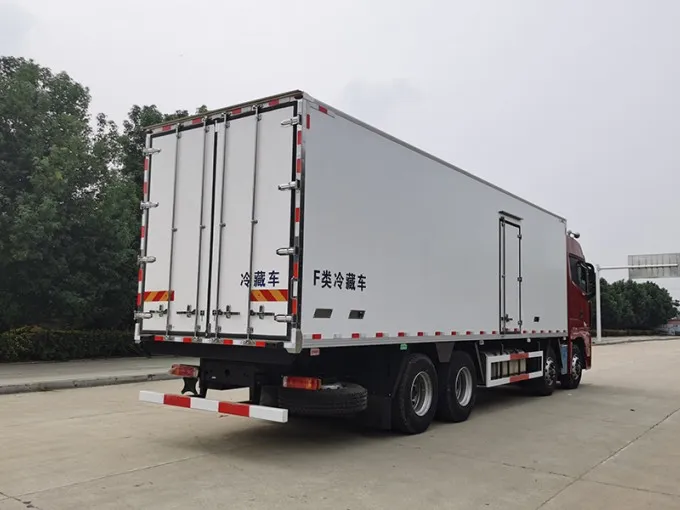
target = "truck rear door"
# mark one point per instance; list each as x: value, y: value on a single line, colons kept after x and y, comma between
x: 250, y: 282
x: 214, y: 220
x: 177, y: 243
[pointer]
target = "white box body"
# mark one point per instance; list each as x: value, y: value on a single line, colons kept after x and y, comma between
x: 388, y: 244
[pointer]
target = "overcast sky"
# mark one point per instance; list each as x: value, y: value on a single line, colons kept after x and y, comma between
x: 572, y: 104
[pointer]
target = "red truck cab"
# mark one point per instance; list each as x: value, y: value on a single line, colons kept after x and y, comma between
x: 580, y: 290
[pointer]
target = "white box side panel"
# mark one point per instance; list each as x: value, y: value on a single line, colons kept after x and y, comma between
x: 424, y: 236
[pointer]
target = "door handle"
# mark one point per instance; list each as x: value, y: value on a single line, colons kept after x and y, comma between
x: 188, y: 312
x: 228, y: 313
x: 261, y: 313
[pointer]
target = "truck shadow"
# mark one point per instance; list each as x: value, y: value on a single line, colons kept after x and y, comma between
x: 303, y: 436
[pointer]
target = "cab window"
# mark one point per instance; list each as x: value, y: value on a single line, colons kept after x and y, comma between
x: 579, y: 274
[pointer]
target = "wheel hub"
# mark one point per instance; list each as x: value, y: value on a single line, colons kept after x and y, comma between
x: 463, y: 386
x: 421, y: 393
x: 576, y: 367
x: 550, y: 371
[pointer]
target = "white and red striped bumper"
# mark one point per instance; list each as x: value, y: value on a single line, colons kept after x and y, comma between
x: 216, y: 406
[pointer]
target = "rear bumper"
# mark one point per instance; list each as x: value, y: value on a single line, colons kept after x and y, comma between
x: 216, y: 406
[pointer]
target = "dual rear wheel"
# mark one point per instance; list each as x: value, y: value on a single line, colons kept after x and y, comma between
x: 422, y: 393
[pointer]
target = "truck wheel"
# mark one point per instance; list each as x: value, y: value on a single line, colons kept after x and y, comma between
x: 415, y: 401
x: 572, y: 380
x: 333, y: 400
x: 457, y: 388
x: 544, y: 386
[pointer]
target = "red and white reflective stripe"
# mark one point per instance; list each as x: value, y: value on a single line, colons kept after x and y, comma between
x: 229, y: 341
x: 217, y: 114
x: 421, y: 334
x: 142, y: 233
x: 216, y: 406
x: 514, y: 379
x: 325, y: 110
x: 202, y: 340
x: 515, y: 356
x: 293, y: 294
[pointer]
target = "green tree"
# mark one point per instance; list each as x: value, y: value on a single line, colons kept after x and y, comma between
x: 133, y: 137
x: 64, y: 232
x: 629, y: 305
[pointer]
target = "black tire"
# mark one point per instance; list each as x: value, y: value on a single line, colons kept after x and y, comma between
x: 336, y: 400
x: 408, y: 416
x: 454, y: 406
x: 572, y: 380
x: 544, y: 386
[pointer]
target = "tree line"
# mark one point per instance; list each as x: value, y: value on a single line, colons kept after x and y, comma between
x: 70, y: 188
x: 629, y: 305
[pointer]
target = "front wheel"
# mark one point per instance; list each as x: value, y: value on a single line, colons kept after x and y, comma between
x: 415, y: 401
x: 544, y: 386
x: 572, y: 380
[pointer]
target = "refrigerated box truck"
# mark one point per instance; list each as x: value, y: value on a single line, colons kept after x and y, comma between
x: 335, y: 270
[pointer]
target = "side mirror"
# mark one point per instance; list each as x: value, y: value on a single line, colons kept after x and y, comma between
x: 590, y: 280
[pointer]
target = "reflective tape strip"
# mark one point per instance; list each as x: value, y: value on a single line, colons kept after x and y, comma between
x: 269, y: 295
x: 274, y: 414
x: 155, y: 296
x: 421, y: 334
x: 515, y: 356
x: 230, y: 111
x: 514, y: 378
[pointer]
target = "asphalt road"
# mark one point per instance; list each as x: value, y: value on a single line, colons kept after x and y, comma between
x: 613, y: 443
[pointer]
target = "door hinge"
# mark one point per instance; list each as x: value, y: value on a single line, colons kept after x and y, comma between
x: 287, y: 251
x: 293, y: 121
x: 148, y: 205
x: 293, y: 185
x: 150, y: 151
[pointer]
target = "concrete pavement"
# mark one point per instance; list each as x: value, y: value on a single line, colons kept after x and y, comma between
x: 611, y: 444
x: 29, y: 377
x: 628, y: 339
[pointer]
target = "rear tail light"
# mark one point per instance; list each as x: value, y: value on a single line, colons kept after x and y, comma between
x: 302, y: 383
x: 184, y: 371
